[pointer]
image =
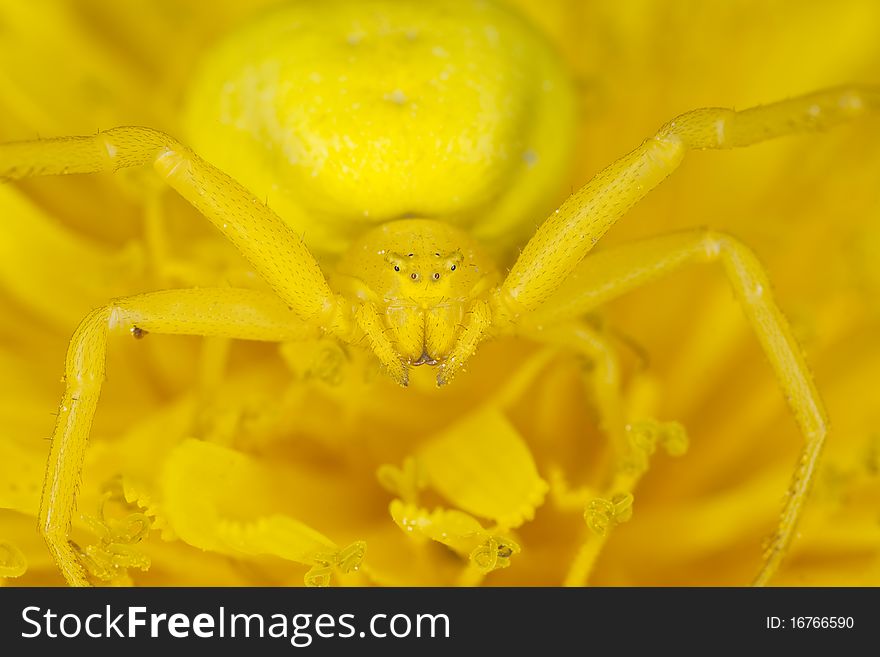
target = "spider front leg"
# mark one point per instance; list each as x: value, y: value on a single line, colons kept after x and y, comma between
x: 274, y: 249
x: 570, y: 232
x: 222, y: 312
x: 565, y: 238
x: 611, y: 273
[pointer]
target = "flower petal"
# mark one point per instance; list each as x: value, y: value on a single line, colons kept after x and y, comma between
x: 482, y: 465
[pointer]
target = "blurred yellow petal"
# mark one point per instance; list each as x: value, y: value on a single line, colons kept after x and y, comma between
x: 482, y: 465
x: 12, y: 561
x: 201, y: 488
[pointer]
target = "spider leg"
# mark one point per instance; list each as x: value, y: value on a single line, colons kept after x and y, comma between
x: 272, y: 247
x: 611, y: 273
x: 604, y: 378
x: 571, y: 231
x: 220, y: 312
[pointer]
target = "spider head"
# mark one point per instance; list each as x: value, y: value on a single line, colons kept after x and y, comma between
x: 422, y: 275
x: 416, y: 263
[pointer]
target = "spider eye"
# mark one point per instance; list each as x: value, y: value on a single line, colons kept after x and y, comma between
x: 414, y: 276
x: 436, y: 276
x: 396, y: 268
x: 452, y: 268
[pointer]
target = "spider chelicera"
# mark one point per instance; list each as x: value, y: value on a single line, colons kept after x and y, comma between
x: 402, y: 139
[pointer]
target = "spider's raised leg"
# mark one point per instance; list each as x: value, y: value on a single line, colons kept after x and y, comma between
x: 223, y: 312
x: 274, y: 249
x: 567, y: 236
x: 611, y: 273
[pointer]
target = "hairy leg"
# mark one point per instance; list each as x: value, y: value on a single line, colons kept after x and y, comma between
x: 570, y: 232
x: 611, y: 273
x: 274, y: 249
x: 221, y: 312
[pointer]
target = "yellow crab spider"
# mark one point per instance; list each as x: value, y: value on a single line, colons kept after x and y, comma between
x: 400, y: 137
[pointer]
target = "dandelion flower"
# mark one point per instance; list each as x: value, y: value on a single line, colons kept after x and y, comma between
x: 234, y: 463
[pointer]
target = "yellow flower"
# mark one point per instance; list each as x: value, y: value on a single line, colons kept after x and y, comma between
x: 233, y: 463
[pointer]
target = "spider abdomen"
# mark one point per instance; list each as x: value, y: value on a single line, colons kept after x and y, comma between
x: 346, y: 113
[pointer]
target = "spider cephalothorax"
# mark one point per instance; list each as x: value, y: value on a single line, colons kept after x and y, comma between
x: 424, y: 275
